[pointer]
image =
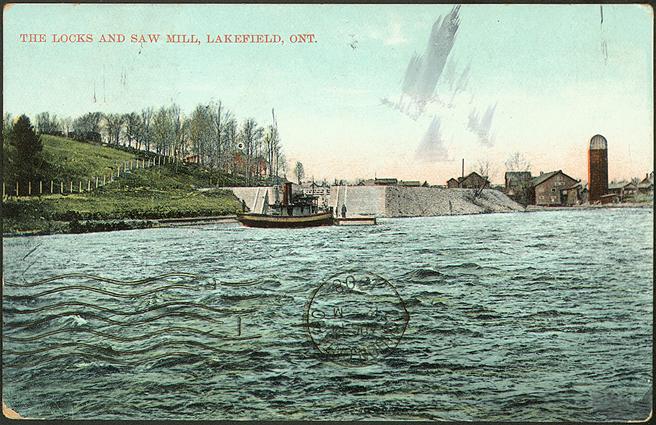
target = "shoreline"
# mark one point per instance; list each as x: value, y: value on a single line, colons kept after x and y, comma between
x: 536, y: 208
x: 113, y: 225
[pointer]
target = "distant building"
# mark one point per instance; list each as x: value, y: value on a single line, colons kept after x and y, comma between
x: 622, y: 189
x: 315, y: 189
x: 597, y: 168
x: 385, y: 182
x: 472, y: 180
x: 452, y: 183
x: 551, y: 189
x: 646, y: 186
x: 518, y: 186
x: 409, y: 183
x: 610, y: 198
x: 573, y: 195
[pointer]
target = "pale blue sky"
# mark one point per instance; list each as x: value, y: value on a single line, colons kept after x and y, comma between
x: 543, y: 65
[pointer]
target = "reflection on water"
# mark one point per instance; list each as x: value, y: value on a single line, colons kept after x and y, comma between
x: 540, y: 316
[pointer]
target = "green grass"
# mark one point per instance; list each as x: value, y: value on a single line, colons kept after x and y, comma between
x: 144, y: 194
x: 65, y: 160
x: 167, y: 191
x: 68, y: 159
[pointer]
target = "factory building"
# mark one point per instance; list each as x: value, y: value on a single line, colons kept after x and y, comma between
x: 597, y: 168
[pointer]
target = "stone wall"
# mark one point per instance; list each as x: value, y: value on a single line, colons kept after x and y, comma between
x: 396, y: 201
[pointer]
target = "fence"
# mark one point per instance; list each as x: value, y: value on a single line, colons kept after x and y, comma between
x: 69, y: 186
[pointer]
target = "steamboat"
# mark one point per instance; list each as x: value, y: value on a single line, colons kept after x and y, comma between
x: 295, y: 210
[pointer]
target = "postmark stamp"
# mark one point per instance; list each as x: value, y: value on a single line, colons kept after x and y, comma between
x: 355, y: 318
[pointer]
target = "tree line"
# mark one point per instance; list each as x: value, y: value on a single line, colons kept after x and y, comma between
x: 210, y: 136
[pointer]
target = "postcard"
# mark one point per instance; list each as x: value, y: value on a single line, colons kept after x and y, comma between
x: 328, y: 212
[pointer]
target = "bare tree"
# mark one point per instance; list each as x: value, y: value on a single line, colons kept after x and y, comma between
x: 146, y: 127
x: 133, y: 129
x: 485, y: 169
x: 162, y: 130
x: 114, y: 127
x: 251, y: 136
x: 517, y: 162
x: 299, y: 171
x: 66, y: 125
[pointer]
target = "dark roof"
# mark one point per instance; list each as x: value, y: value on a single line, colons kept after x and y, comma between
x: 409, y: 183
x: 460, y: 179
x: 452, y: 179
x: 386, y: 180
x: 620, y: 185
x: 537, y: 180
x: 543, y: 177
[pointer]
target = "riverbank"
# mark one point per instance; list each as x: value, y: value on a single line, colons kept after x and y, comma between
x: 143, y: 199
x: 90, y: 226
x: 533, y: 208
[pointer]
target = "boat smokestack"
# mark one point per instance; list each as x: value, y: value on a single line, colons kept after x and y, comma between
x: 287, y: 193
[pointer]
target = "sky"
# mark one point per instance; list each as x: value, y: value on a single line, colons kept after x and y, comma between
x: 536, y: 79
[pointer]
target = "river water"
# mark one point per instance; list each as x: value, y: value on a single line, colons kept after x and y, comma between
x: 526, y: 316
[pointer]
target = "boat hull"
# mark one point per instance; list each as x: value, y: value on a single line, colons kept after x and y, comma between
x: 263, y: 220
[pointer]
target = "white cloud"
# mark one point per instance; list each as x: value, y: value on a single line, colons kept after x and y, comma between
x: 395, y: 36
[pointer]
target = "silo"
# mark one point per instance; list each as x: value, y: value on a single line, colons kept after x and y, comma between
x: 597, y: 168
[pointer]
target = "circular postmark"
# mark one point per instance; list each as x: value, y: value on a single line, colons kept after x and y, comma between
x: 355, y: 318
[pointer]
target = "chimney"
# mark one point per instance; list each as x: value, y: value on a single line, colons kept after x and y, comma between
x: 287, y: 194
x: 463, y: 168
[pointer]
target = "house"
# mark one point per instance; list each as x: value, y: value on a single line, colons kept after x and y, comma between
x: 314, y: 189
x: 646, y: 186
x: 573, y: 194
x: 622, y: 189
x: 471, y: 181
x: 551, y: 189
x: 452, y: 183
x: 258, y: 166
x: 518, y: 186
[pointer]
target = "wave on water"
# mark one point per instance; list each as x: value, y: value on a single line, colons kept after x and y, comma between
x: 116, y: 315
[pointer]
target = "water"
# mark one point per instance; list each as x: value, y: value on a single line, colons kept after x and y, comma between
x: 537, y: 316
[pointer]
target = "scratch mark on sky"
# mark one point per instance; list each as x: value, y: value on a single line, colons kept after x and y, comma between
x: 431, y: 148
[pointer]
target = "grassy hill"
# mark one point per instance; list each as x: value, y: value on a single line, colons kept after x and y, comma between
x: 168, y: 191
x: 65, y: 159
